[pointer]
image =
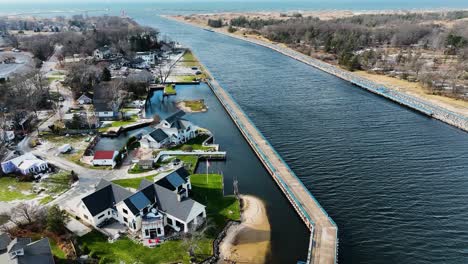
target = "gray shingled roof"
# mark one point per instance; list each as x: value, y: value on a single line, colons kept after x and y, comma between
x: 37, y: 252
x: 181, y: 124
x: 107, y: 194
x: 174, y: 117
x: 158, y: 135
x: 167, y: 200
x: 168, y: 203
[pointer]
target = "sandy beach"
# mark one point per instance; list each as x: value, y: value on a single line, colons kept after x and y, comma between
x: 249, y: 241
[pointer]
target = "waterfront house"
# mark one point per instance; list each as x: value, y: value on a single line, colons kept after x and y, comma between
x: 85, y: 98
x: 148, y: 57
x: 23, y: 250
x: 102, y: 53
x: 25, y: 164
x: 105, y: 158
x: 174, y: 130
x: 106, y: 103
x: 153, y: 207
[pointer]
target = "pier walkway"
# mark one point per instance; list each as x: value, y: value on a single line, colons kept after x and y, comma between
x: 324, y: 238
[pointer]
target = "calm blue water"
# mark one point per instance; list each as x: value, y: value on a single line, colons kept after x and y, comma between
x: 394, y: 181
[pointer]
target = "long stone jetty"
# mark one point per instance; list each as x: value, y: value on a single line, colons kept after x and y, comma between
x: 323, y: 245
x: 412, y: 102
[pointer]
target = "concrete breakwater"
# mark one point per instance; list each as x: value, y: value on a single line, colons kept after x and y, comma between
x: 323, y: 245
x: 412, y: 102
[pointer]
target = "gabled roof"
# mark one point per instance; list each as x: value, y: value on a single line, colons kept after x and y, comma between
x: 88, y: 95
x: 158, y: 135
x: 167, y: 200
x: 104, y: 154
x: 168, y: 203
x: 37, y: 252
x: 107, y: 194
x: 174, y: 179
x: 26, y: 157
x: 181, y: 124
x: 174, y: 117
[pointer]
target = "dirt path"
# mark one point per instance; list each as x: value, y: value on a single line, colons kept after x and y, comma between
x: 248, y: 242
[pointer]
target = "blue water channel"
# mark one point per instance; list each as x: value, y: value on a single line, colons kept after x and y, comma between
x: 394, y: 181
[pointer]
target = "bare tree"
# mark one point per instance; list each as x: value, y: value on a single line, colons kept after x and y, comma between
x: 26, y: 213
x: 165, y: 70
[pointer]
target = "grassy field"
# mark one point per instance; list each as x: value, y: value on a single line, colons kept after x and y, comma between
x: 133, y: 182
x: 207, y: 190
x: 195, y: 105
x: 195, y: 143
x: 169, y: 90
x: 11, y: 189
x: 126, y: 251
x: 57, y: 183
x: 190, y: 162
x: 185, y: 78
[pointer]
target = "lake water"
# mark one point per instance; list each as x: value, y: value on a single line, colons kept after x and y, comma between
x: 394, y: 181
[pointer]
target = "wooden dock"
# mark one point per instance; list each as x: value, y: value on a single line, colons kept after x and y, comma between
x: 323, y: 245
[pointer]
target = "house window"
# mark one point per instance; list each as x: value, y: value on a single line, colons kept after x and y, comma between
x: 101, y: 216
x: 146, y: 232
x: 85, y: 216
x: 125, y: 211
x: 159, y: 231
x: 108, y: 212
x: 125, y: 219
x: 134, y: 225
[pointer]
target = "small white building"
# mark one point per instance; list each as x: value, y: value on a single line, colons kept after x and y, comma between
x: 154, y: 206
x: 148, y: 57
x: 105, y: 158
x: 25, y: 164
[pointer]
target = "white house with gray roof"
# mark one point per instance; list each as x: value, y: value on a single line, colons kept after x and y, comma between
x: 173, y: 130
x: 23, y: 250
x: 152, y: 208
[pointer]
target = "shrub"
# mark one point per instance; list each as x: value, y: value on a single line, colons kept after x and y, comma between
x: 187, y: 148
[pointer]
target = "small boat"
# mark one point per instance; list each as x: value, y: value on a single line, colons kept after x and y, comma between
x: 207, y: 29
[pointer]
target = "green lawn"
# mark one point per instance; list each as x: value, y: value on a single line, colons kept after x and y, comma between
x: 126, y: 251
x: 206, y: 190
x: 190, y: 161
x: 46, y: 199
x: 135, y: 169
x: 11, y: 189
x: 189, y: 59
x: 56, y: 250
x: 57, y: 183
x: 169, y: 90
x: 195, y: 143
x: 185, y: 78
x: 63, y: 139
x: 133, y: 182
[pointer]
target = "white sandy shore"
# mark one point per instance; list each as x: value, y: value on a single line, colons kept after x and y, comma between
x: 248, y: 242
